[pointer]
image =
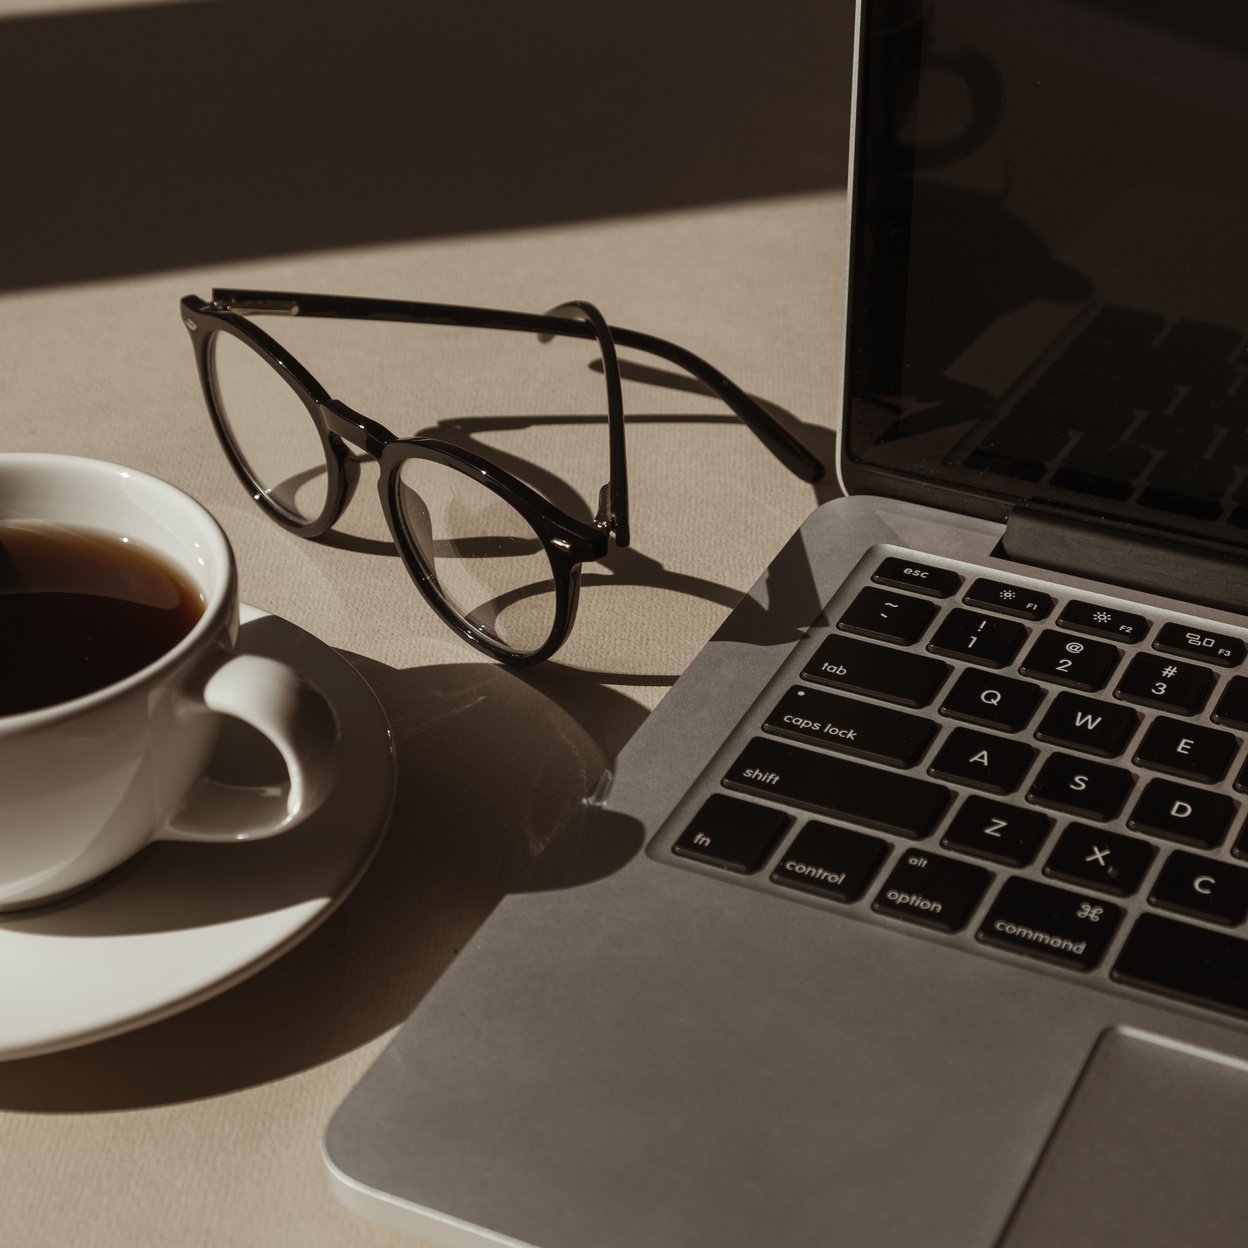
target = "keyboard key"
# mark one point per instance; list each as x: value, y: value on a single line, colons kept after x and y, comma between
x: 1189, y: 642
x: 917, y: 577
x: 1180, y: 813
x: 1191, y: 963
x: 992, y: 700
x: 1232, y: 707
x: 987, y: 762
x: 1202, y: 887
x: 997, y: 831
x: 882, y: 672
x: 831, y: 862
x: 1059, y: 657
x: 1100, y: 859
x: 1086, y: 617
x: 1240, y: 848
x: 1186, y: 749
x: 888, y: 616
x: 849, y: 726
x: 1010, y: 599
x: 1086, y: 724
x: 834, y: 786
x: 981, y: 638
x: 1151, y: 680
x: 731, y: 833
x: 932, y: 890
x: 1080, y: 786
x: 1050, y: 923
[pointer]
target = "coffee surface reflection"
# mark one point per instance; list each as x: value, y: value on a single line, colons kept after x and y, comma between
x: 81, y: 609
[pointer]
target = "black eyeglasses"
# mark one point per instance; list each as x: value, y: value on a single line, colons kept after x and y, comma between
x: 497, y: 561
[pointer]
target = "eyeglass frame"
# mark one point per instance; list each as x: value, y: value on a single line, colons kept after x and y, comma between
x: 566, y: 541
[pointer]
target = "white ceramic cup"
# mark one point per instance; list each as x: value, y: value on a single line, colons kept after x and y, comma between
x: 85, y: 784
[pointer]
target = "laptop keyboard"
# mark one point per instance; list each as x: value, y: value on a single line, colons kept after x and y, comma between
x: 996, y: 761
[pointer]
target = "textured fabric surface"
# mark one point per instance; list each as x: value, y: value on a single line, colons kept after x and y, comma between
x: 205, y: 1129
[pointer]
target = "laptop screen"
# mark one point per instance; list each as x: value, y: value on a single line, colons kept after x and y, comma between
x: 1049, y: 279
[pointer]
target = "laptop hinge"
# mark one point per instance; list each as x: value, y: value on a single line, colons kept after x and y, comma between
x: 1208, y: 573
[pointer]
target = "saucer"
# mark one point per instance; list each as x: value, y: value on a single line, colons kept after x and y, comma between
x: 180, y: 922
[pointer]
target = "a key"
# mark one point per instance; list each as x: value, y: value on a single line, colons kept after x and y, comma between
x: 1100, y: 859
x: 850, y: 726
x: 1050, y: 923
x: 1152, y: 680
x: 880, y: 671
x: 1080, y: 786
x: 932, y: 890
x: 991, y: 700
x: 920, y: 578
x: 1017, y: 600
x: 1190, y: 642
x: 1181, y: 813
x: 1202, y: 887
x: 980, y: 638
x: 1087, y: 617
x: 831, y: 862
x: 887, y: 615
x: 727, y: 832
x: 1068, y: 661
x: 1088, y: 725
x: 837, y: 787
x: 1186, y: 749
x: 1232, y: 707
x: 1191, y: 963
x: 987, y: 762
x: 997, y: 831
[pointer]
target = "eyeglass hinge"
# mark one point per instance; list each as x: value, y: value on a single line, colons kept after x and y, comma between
x: 279, y: 307
x: 604, y: 517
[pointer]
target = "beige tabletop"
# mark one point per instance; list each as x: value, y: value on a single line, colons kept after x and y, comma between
x: 205, y: 1129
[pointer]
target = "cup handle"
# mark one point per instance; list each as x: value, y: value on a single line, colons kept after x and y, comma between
x: 276, y: 701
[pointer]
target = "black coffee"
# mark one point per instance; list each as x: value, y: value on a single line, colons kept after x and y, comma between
x: 81, y: 609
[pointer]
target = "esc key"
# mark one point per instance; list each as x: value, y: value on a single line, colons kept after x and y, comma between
x: 919, y: 578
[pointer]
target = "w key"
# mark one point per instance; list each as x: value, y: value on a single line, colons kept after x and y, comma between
x: 1086, y: 724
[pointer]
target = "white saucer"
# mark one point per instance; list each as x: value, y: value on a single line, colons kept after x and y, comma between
x: 180, y: 923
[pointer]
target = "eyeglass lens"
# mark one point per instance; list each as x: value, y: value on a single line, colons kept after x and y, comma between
x: 271, y: 430
x: 489, y: 565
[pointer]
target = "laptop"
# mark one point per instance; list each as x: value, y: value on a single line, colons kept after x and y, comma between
x: 915, y: 914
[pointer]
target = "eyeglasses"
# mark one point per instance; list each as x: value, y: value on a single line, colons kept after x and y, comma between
x: 494, y: 558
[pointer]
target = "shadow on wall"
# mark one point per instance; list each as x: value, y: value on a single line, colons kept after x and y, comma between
x: 175, y: 135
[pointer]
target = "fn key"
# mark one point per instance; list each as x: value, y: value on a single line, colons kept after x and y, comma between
x: 728, y: 832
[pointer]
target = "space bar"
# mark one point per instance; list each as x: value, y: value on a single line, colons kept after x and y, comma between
x: 834, y: 786
x: 1180, y: 960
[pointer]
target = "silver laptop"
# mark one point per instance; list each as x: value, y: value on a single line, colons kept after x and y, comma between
x: 916, y: 912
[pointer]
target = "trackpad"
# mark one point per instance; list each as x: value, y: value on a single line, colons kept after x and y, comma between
x: 1150, y: 1152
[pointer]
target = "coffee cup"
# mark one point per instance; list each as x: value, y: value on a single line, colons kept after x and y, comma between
x: 92, y: 772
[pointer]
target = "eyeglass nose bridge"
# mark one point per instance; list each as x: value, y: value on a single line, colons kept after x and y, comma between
x: 354, y: 429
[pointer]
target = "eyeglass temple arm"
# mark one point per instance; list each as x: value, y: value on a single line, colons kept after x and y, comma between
x: 778, y: 440
x: 613, y: 498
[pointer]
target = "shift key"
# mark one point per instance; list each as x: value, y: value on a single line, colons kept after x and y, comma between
x: 835, y: 786
x: 851, y: 727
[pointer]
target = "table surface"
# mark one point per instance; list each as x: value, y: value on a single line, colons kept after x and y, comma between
x: 205, y: 1128
x: 682, y: 173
